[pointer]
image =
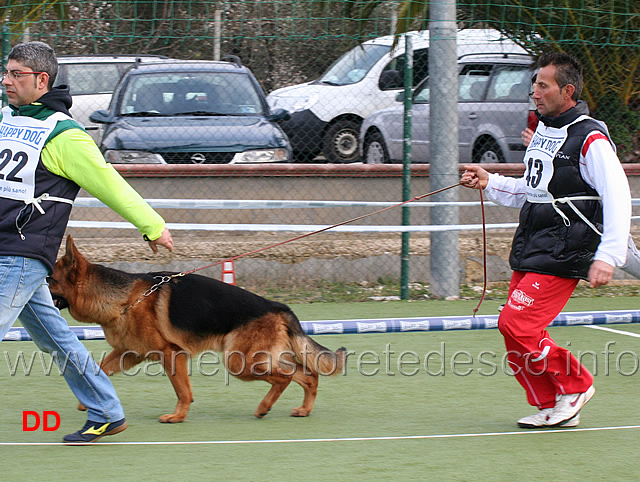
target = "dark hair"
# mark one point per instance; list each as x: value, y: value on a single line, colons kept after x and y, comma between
x: 38, y: 56
x: 568, y: 70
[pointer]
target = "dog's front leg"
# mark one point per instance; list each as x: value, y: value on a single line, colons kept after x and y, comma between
x: 119, y: 360
x: 115, y: 362
x: 176, y: 367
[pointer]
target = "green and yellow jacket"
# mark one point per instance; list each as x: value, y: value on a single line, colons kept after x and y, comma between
x: 69, y: 160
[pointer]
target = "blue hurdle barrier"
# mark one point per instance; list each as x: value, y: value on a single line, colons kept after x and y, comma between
x: 397, y: 325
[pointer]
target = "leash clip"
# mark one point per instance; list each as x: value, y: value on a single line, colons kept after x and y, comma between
x: 163, y: 280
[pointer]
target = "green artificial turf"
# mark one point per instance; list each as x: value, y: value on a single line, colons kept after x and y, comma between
x: 390, y: 416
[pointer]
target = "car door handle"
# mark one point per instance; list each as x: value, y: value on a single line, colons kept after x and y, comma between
x: 473, y: 116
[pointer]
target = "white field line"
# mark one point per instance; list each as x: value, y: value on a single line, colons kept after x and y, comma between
x: 345, y: 439
x: 611, y: 330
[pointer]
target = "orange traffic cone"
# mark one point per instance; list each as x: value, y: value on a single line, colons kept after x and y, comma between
x: 228, y: 272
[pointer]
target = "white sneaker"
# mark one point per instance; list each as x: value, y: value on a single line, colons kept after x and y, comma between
x: 540, y: 419
x: 536, y: 420
x: 568, y: 406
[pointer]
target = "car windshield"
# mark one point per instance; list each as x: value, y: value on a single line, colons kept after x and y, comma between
x: 354, y: 65
x: 190, y: 93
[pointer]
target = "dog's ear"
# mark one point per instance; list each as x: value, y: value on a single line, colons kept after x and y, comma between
x: 69, y: 248
x: 73, y: 255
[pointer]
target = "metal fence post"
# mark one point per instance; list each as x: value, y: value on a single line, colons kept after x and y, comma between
x: 406, y: 166
x: 443, y: 141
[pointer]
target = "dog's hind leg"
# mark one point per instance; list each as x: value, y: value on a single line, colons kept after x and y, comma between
x: 309, y: 383
x: 278, y: 385
x: 257, y: 365
x: 175, y: 364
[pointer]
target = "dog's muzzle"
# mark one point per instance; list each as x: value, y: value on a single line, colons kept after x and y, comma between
x: 60, y: 302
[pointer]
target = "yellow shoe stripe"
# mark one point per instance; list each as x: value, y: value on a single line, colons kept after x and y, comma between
x: 97, y: 431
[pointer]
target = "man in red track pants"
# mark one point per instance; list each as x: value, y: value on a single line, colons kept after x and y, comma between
x: 543, y: 368
x: 574, y: 224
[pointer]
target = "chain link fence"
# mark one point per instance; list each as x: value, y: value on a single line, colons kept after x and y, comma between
x: 345, y: 82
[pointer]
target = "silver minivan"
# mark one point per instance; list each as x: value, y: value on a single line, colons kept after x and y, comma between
x: 493, y: 109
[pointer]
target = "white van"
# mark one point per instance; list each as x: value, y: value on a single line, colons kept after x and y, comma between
x: 326, y: 114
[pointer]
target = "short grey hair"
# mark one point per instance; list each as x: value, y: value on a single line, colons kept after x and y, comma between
x: 38, y: 56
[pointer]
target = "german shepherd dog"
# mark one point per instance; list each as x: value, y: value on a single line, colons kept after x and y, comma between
x: 261, y: 339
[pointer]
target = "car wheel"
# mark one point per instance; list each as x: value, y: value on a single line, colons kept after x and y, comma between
x: 375, y: 152
x: 341, y: 142
x: 487, y: 151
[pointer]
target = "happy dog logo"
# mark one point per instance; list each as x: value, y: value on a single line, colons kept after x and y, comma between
x: 547, y: 144
x: 519, y: 300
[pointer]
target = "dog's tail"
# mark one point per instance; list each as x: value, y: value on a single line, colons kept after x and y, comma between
x: 314, y: 357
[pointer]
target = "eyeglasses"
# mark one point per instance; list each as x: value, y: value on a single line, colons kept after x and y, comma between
x: 14, y: 74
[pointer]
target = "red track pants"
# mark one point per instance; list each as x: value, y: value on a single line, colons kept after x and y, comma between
x: 543, y: 368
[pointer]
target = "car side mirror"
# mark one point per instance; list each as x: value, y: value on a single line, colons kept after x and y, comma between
x: 279, y: 115
x: 101, y: 117
x: 390, y: 79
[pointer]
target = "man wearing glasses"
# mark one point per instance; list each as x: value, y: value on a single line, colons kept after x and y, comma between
x: 574, y: 224
x: 45, y: 158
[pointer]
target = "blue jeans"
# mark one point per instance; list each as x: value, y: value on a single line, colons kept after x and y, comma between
x: 24, y: 295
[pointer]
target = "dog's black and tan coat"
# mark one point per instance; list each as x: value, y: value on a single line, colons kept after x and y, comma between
x: 260, y: 339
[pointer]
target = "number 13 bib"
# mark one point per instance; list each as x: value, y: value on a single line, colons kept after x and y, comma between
x: 543, y: 148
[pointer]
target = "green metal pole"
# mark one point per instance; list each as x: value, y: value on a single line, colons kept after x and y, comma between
x: 6, y: 48
x: 406, y: 167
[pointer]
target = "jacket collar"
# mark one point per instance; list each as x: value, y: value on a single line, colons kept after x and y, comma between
x: 567, y: 117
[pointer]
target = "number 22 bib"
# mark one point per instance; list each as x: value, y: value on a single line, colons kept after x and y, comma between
x: 21, y: 141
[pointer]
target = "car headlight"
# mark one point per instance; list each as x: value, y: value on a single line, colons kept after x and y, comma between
x: 264, y: 155
x: 293, y: 104
x: 132, y: 157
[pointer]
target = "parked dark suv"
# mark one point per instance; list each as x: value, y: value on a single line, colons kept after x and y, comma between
x: 191, y: 112
x: 493, y: 109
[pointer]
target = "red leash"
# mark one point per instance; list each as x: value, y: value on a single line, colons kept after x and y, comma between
x: 484, y: 253
x: 166, y: 279
x: 417, y: 198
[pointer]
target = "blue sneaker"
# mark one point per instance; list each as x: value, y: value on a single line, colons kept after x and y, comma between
x: 93, y: 431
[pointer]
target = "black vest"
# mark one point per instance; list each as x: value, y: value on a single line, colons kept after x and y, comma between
x: 543, y: 243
